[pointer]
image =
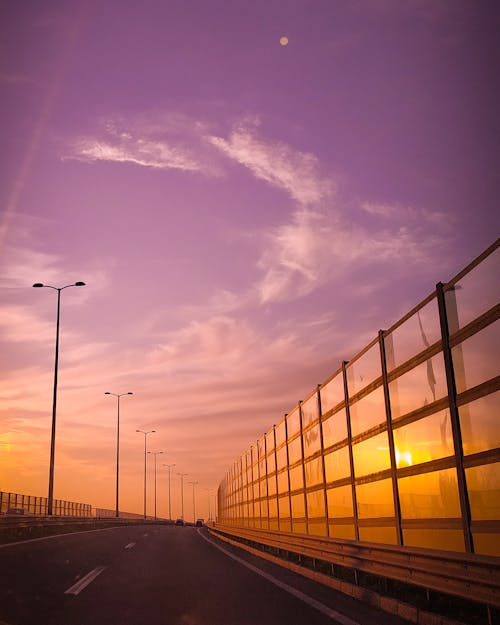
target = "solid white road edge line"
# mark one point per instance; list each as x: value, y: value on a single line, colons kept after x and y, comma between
x: 129, y: 546
x: 333, y: 614
x: 84, y: 581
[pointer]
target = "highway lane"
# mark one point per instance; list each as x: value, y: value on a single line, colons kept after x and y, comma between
x: 160, y: 575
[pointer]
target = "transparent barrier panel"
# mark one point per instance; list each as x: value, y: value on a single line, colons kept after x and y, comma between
x: 427, y: 439
x: 295, y: 450
x: 314, y: 472
x: 386, y: 535
x: 296, y: 478
x: 475, y: 360
x: 316, y: 505
x: 364, y: 370
x: 332, y: 393
x: 335, y: 428
x: 429, y: 495
x: 414, y: 335
x: 368, y: 411
x: 418, y: 387
x: 435, y: 538
x: 337, y: 464
x: 479, y: 424
x: 375, y: 499
x: 293, y: 422
x: 371, y: 455
x: 298, y: 506
x: 281, y: 457
x: 340, y: 502
x: 283, y: 482
x: 312, y: 441
x: 310, y: 410
x: 483, y: 485
x: 280, y: 433
x: 346, y: 531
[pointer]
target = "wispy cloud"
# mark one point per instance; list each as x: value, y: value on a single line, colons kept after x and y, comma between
x: 297, y: 173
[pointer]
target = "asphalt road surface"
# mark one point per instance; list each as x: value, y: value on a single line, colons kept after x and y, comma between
x: 161, y: 575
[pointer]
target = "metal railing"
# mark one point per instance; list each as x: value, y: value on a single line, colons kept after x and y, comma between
x: 31, y: 505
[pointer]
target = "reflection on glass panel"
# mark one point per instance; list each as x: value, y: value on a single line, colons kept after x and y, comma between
x: 280, y: 433
x: 483, y: 485
x: 283, y: 482
x: 413, y: 336
x: 430, y: 495
x: 296, y: 478
x: 332, y: 393
x: 476, y: 292
x: 298, y: 506
x: 271, y: 485
x: 340, y: 502
x: 364, y: 370
x: 316, y: 505
x: 317, y: 527
x: 281, y: 457
x: 449, y: 540
x: 284, y: 507
x: 335, y: 428
x: 418, y: 387
x: 375, y: 499
x: 342, y: 531
x: 475, y: 360
x: 479, y: 424
x: 486, y: 544
x: 337, y: 464
x: 293, y: 422
x: 386, y: 535
x: 295, y: 450
x: 371, y: 455
x: 310, y: 411
x: 298, y: 527
x: 368, y: 411
x: 312, y: 441
x: 314, y: 472
x: 271, y: 463
x: 264, y: 512
x: 424, y: 440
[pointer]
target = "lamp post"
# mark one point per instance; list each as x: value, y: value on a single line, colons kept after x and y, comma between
x: 145, y: 437
x: 182, y: 475
x: 194, y: 504
x: 209, y: 490
x: 117, y: 395
x: 169, y: 500
x: 37, y: 285
x: 155, y: 453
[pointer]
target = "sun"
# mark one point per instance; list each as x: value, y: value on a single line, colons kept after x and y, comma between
x: 284, y: 41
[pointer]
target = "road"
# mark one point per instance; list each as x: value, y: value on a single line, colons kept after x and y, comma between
x: 161, y: 575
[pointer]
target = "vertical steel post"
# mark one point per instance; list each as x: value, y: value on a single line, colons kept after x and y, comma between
x: 323, y: 464
x: 351, y: 456
x: 54, y: 404
x: 306, y: 511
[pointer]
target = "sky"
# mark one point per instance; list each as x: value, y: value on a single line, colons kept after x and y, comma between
x: 249, y: 190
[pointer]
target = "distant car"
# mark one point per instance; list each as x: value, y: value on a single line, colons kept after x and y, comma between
x: 200, y: 522
x: 15, y: 511
x: 179, y: 522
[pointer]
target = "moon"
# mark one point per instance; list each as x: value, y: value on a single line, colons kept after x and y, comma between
x: 284, y: 41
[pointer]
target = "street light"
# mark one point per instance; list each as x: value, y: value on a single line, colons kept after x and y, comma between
x: 169, y: 507
x: 183, y: 475
x: 209, y: 490
x: 117, y: 395
x: 194, y: 505
x: 155, y: 453
x: 145, y: 437
x: 39, y: 285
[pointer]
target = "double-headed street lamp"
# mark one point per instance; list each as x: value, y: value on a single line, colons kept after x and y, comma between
x: 117, y: 395
x: 182, y: 476
x: 169, y: 500
x: 145, y: 437
x: 155, y: 453
x: 50, y: 497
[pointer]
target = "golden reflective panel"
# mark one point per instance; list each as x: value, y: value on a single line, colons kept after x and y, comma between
x: 280, y: 432
x: 283, y: 482
x: 295, y: 450
x: 271, y: 485
x: 296, y: 478
x: 332, y: 393
x: 371, y: 455
x: 418, y: 387
x: 316, y: 505
x: 386, y: 535
x: 475, y: 360
x: 435, y: 538
x: 413, y: 336
x: 483, y: 486
x: 375, y: 499
x: 312, y: 441
x: 340, y: 502
x: 310, y: 410
x: 314, y: 472
x: 486, y: 544
x: 476, y: 292
x: 271, y: 463
x: 364, y: 370
x: 423, y: 440
x: 337, y: 464
x: 368, y: 412
x: 284, y: 507
x: 317, y: 527
x: 479, y: 424
x: 345, y: 532
x: 281, y: 457
x: 293, y: 422
x: 298, y: 507
x: 335, y: 428
x: 429, y: 495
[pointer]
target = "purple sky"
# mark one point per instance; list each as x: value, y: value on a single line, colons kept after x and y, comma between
x: 246, y: 214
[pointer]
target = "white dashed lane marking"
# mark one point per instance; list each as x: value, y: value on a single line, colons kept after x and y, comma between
x: 84, y: 581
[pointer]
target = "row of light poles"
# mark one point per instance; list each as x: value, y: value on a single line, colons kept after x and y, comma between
x: 50, y: 498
